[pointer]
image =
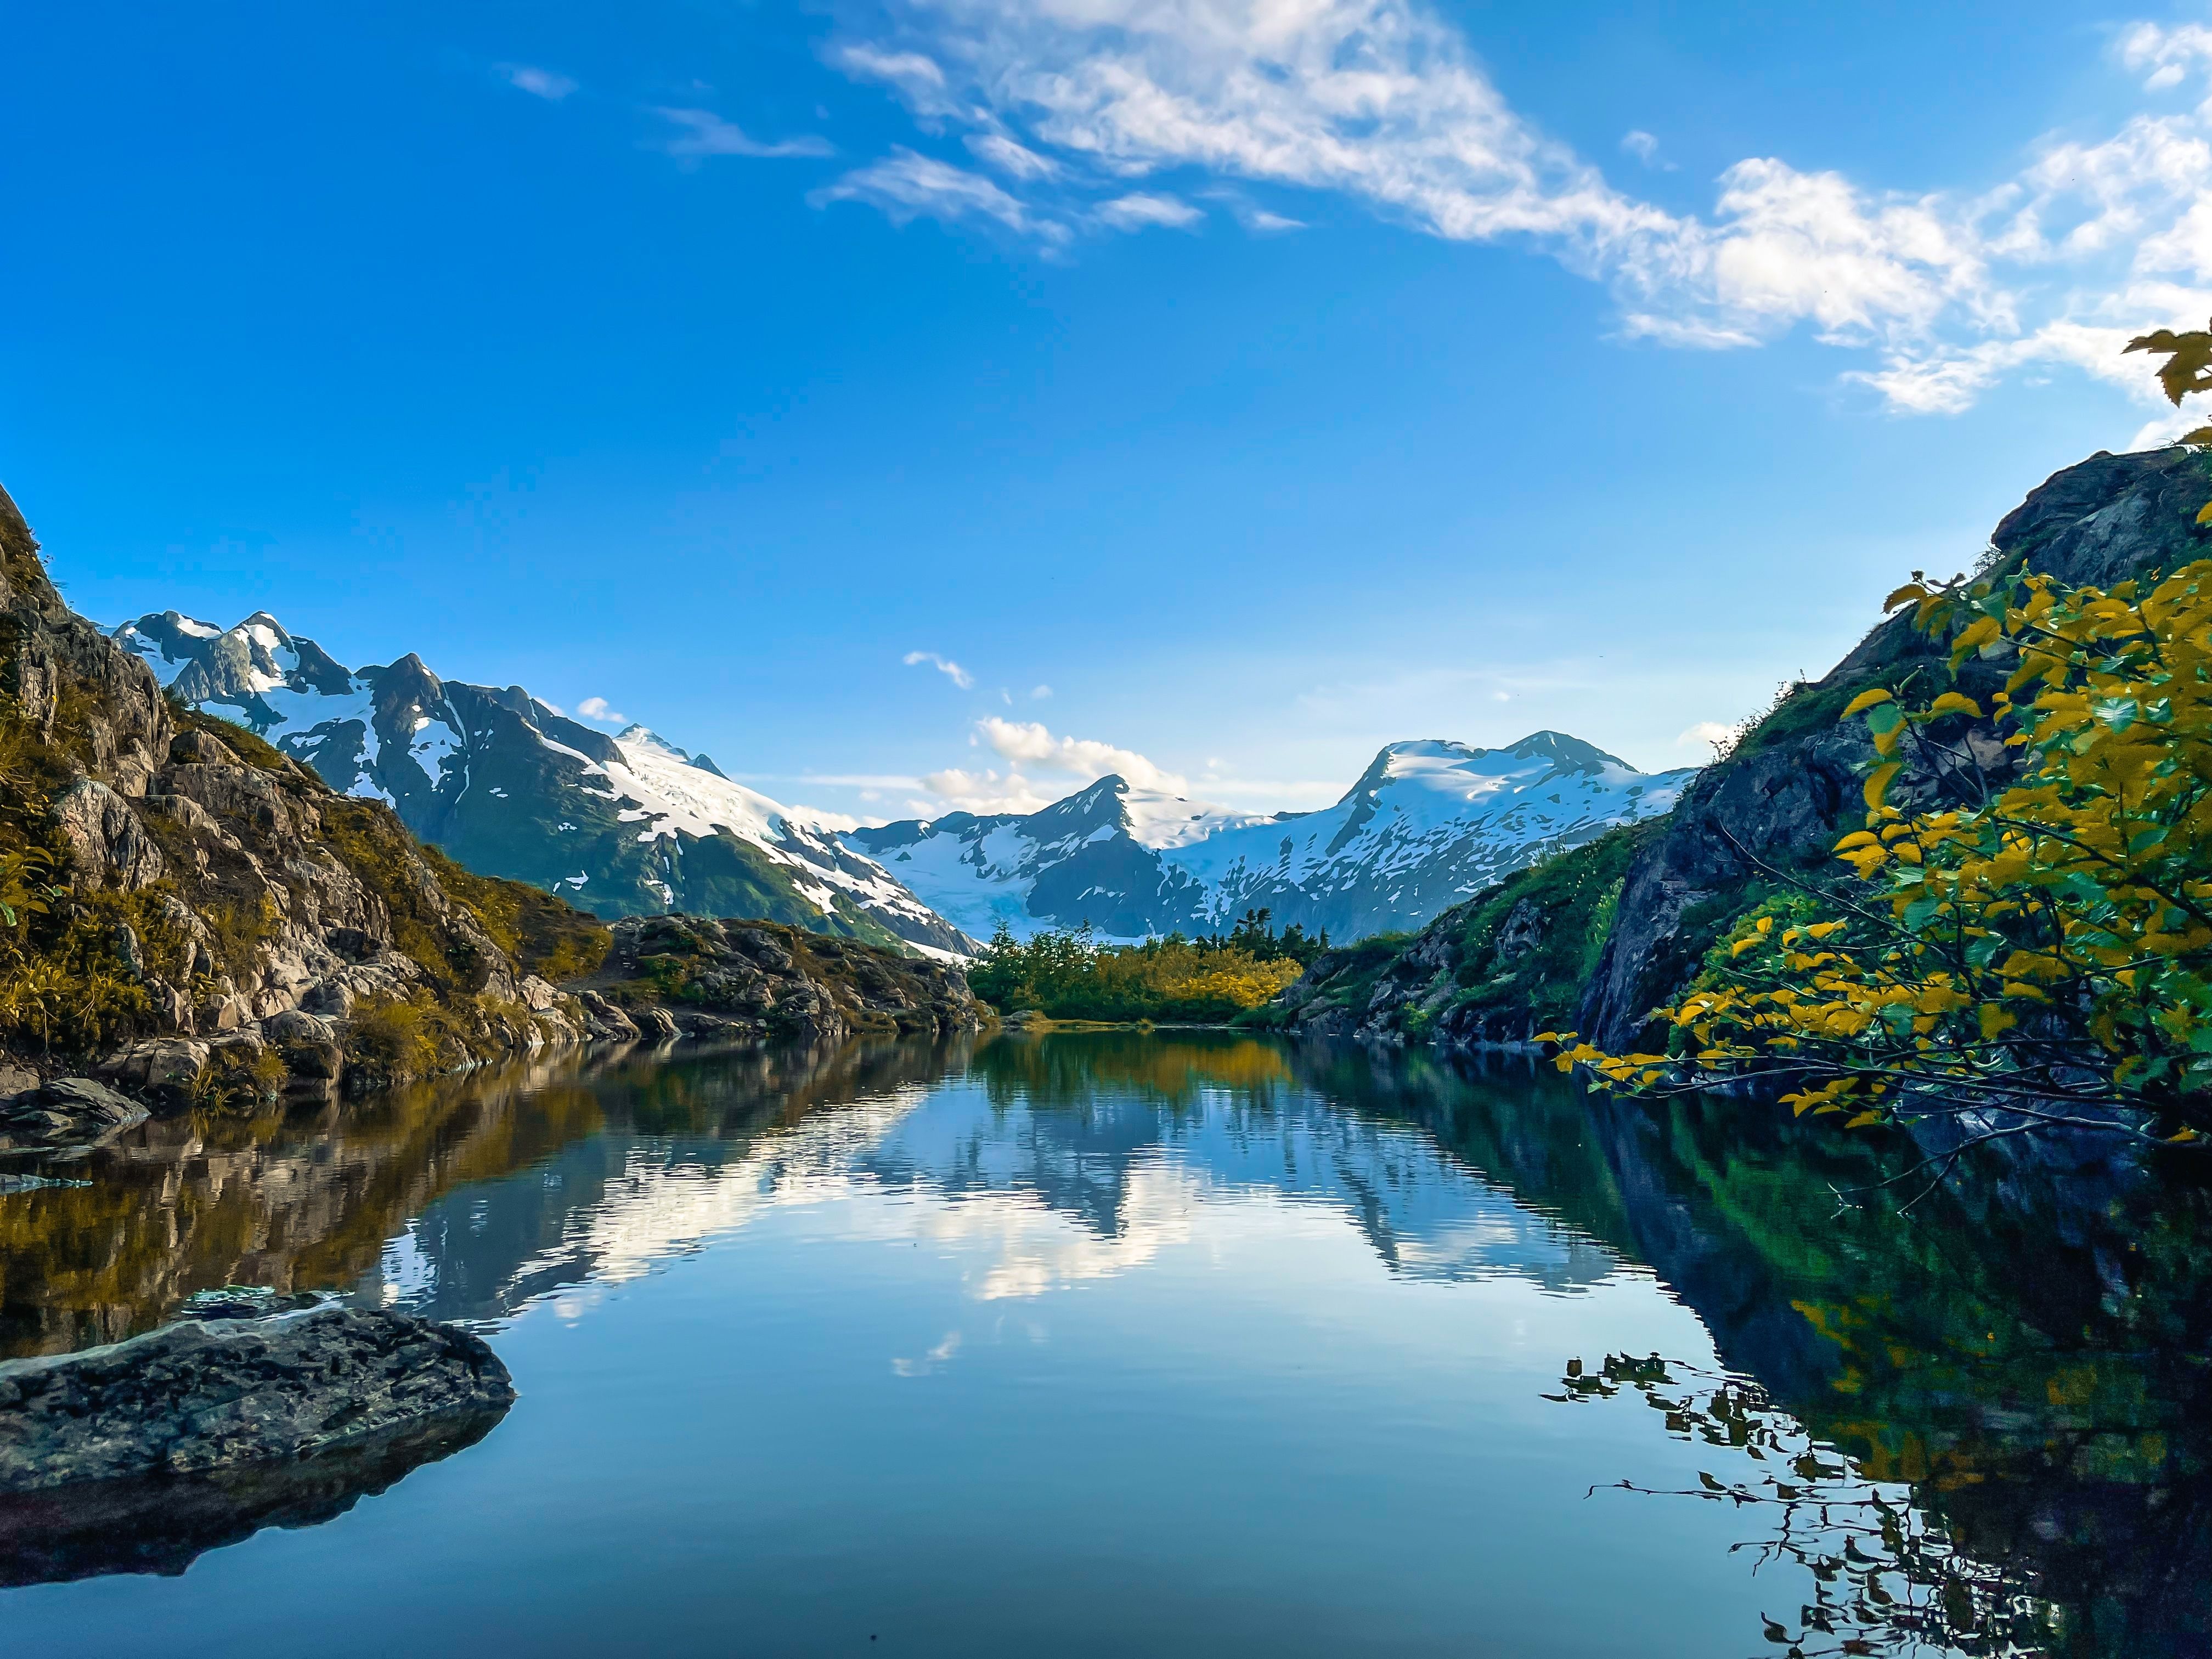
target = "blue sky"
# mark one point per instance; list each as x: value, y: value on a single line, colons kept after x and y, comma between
x: 1267, y: 381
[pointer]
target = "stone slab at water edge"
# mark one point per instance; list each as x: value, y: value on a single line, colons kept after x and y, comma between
x: 202, y: 1396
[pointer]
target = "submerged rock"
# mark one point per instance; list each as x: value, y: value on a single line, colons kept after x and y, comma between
x: 200, y: 1396
x: 69, y: 1112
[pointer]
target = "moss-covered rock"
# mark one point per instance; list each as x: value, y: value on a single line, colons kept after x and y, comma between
x: 740, y: 980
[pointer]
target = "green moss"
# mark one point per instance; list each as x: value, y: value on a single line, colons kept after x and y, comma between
x: 238, y: 1079
x: 405, y: 1039
x: 247, y: 745
x: 1574, y: 896
x: 538, y: 931
x: 545, y: 936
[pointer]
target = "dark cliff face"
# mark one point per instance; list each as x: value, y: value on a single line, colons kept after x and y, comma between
x: 1583, y: 942
x: 1793, y: 785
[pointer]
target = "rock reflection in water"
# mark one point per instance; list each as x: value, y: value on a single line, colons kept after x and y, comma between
x: 312, y: 1197
x: 163, y: 1524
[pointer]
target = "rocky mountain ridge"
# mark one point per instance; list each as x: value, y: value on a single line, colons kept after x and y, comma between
x: 205, y: 911
x: 506, y: 785
x: 1426, y: 825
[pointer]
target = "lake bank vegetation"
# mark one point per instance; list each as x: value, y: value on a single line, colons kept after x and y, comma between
x: 1064, y: 974
x: 2020, y: 935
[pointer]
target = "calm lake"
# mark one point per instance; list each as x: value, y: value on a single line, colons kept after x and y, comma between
x: 1179, y: 1344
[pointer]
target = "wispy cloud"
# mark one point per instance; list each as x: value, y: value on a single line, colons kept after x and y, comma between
x: 1381, y: 102
x: 945, y: 665
x: 704, y: 133
x: 1140, y: 208
x: 1706, y: 731
x: 537, y: 82
x: 907, y: 186
x: 596, y: 708
x: 996, y: 149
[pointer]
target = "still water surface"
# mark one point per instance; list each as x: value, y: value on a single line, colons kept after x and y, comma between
x: 1108, y: 1344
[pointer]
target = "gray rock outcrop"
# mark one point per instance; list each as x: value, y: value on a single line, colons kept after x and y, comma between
x: 199, y: 1397
x: 742, y: 981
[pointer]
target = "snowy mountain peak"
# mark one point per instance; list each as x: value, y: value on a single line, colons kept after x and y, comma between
x: 1429, y: 822
x: 505, y: 785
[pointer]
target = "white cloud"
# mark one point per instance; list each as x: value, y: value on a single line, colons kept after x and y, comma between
x: 1040, y: 692
x: 1076, y: 103
x: 537, y: 82
x: 1642, y: 145
x: 1041, y: 768
x: 945, y: 665
x: 918, y: 78
x: 1141, y: 208
x: 907, y: 186
x: 705, y: 133
x: 1029, y: 743
x: 595, y: 709
x: 1001, y: 152
x: 1707, y: 731
x: 981, y: 792
x: 2169, y: 54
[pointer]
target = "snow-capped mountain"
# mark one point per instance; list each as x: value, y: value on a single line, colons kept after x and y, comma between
x: 1426, y: 825
x: 625, y: 825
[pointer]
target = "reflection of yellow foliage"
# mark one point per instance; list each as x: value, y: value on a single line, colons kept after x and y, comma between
x: 1072, y: 1066
x: 298, y: 1200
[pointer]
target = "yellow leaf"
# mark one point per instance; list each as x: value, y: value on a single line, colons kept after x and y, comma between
x: 1954, y: 702
x: 1863, y: 1119
x: 1866, y: 700
x: 1979, y: 634
x: 1879, y: 779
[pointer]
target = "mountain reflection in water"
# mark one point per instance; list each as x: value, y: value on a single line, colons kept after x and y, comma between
x: 2025, y: 1354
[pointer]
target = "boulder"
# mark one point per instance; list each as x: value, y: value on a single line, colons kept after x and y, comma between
x: 108, y: 845
x: 201, y: 749
x: 164, y: 1068
x: 204, y: 1395
x: 307, y: 1044
x: 69, y: 1112
x: 607, y: 1023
